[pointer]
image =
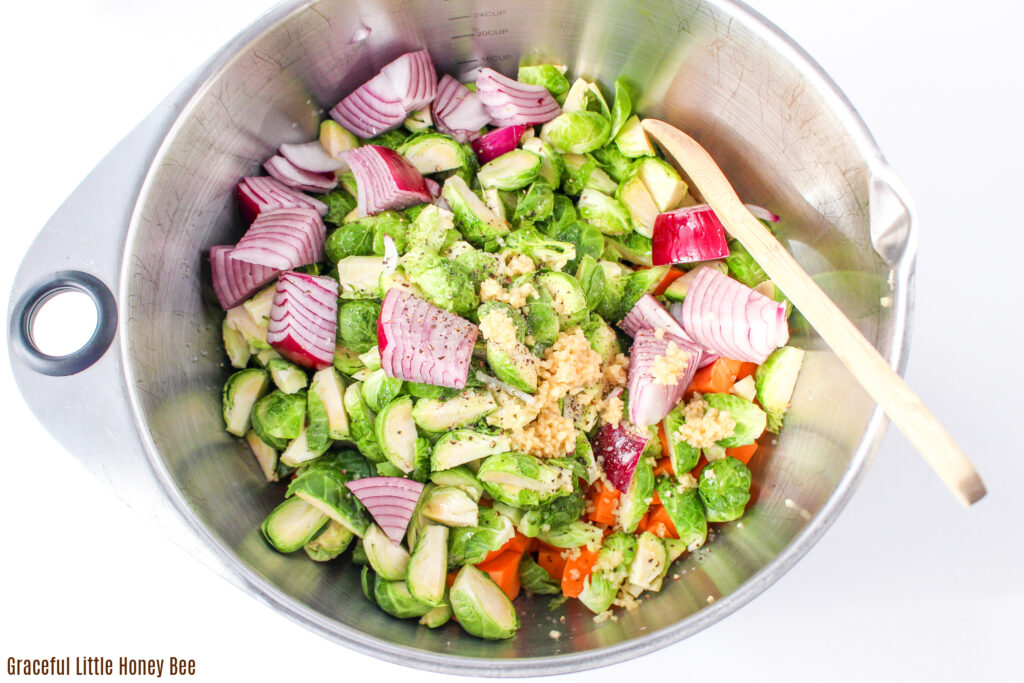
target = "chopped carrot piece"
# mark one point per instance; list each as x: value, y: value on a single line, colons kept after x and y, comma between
x: 450, y: 579
x: 716, y: 378
x: 695, y: 472
x: 577, y: 570
x: 604, y: 499
x: 671, y: 276
x: 643, y: 521
x: 742, y: 453
x: 664, y: 467
x: 534, y: 545
x: 504, y: 571
x: 518, y: 543
x: 552, y: 561
x: 746, y: 370
x: 663, y: 439
x: 660, y: 524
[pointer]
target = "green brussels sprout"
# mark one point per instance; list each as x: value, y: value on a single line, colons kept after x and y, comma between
x: 332, y: 541
x: 335, y: 139
x: 724, y: 489
x: 553, y: 516
x: 750, y: 420
x: 357, y: 325
x: 587, y: 239
x: 359, y: 558
x: 616, y: 164
x: 450, y: 506
x: 584, y: 453
x: 565, y: 295
x: 252, y: 318
x: 649, y: 563
x: 359, y: 277
x: 419, y: 121
x: 611, y: 306
x: 321, y: 483
x: 379, y: 389
x: 388, y: 559
x: 350, y: 239
x: 513, y: 363
x: 460, y: 477
x: 287, y: 376
x: 637, y: 199
x: 542, y: 249
x: 390, y: 223
x: 394, y: 598
x: 292, y: 524
x: 392, y: 139
x: 479, y: 265
x: 572, y: 535
x: 517, y: 318
x: 633, y: 248
x: 428, y: 566
x: 604, y: 212
x: 279, y: 417
x: 582, y: 172
x: 395, y: 429
x: 476, y: 221
x: 438, y: 616
x: 482, y: 609
x: 461, y: 446
x: 266, y: 456
x: 682, y: 455
x: 351, y: 464
x: 602, y: 338
x: 552, y: 166
x: 439, y: 415
x: 632, y: 140
x: 550, y: 76
x: 586, y: 96
x: 663, y: 183
x: 443, y: 282
x: 347, y: 181
x: 524, y: 481
x: 639, y: 283
x: 433, y: 153
x: 318, y: 428
x: 591, y: 277
x: 362, y: 423
x: 421, y: 460
x: 426, y: 391
x: 235, y: 345
x: 536, y: 205
x: 622, y: 107
x: 542, y: 323
x: 241, y: 393
x: 433, y: 228
x: 635, y: 502
x: 535, y: 578
x: 582, y: 408
x: 576, y: 132
x: 329, y: 391
x: 743, y: 267
x: 513, y: 170
x: 610, y: 572
x: 346, y: 361
x: 686, y: 510
x: 775, y: 380
x: 501, y: 202
x: 563, y: 215
x: 339, y: 204
x: 472, y: 544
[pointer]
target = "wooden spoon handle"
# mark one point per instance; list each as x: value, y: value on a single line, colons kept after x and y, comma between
x: 881, y: 382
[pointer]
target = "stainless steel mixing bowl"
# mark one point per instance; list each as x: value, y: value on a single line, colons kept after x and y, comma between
x: 140, y: 404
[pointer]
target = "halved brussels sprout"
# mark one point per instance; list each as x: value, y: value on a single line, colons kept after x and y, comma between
x: 434, y: 228
x: 379, y: 389
x: 667, y: 189
x: 743, y: 267
x: 584, y: 95
x: 428, y: 566
x: 265, y: 455
x: 278, y: 417
x: 460, y: 446
x: 542, y: 324
x: 450, y: 506
x: 616, y: 164
x: 524, y: 481
x: 460, y: 477
x: 321, y: 483
x: 647, y: 567
x: 328, y: 386
x: 632, y: 140
x: 513, y: 170
x: 572, y: 535
x: 235, y: 345
x: 394, y: 598
x: 438, y: 616
x: 478, y: 224
x: 566, y: 296
x: 300, y: 450
x: 433, y: 153
x: 292, y: 524
x: 582, y: 408
x: 582, y: 172
x: 335, y: 139
x: 602, y: 338
x: 542, y: 249
x: 362, y: 423
x: 686, y: 510
x: 535, y: 578
x: 604, y: 212
x: 471, y: 545
x: 350, y: 239
x: 359, y: 277
x: 357, y: 325
x: 592, y: 279
x: 553, y: 517
x: 287, y: 376
x: 775, y: 381
x: 750, y: 420
x: 332, y: 541
x: 635, y: 196
x: 536, y: 205
x: 622, y: 106
x: 483, y: 609
x: 241, y: 392
x: 389, y: 559
x: 576, y: 132
x: 635, y: 502
x: 436, y: 415
x: 725, y: 489
x: 443, y: 282
x: 513, y: 364
x: 550, y: 76
x: 609, y: 572
x: 396, y: 432
x: 346, y: 361
x: 682, y: 455
x: 551, y: 164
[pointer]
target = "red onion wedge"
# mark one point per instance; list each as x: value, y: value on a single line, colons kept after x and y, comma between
x: 293, y: 176
x: 509, y: 102
x: 283, y: 239
x: 383, y: 102
x: 731, y: 319
x: 391, y: 501
x: 235, y: 281
x: 762, y: 213
x: 617, y: 450
x: 420, y: 342
x: 312, y: 157
x: 458, y: 110
x: 304, y: 319
x: 385, y: 180
x: 433, y: 187
x: 257, y: 194
x: 687, y: 235
x: 649, y: 400
x: 648, y: 314
x: 497, y: 142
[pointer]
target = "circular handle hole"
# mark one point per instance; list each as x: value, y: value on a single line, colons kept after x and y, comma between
x: 62, y: 322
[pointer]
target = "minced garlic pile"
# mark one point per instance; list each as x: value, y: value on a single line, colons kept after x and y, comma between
x: 667, y: 369
x: 704, y: 425
x: 498, y: 327
x: 512, y: 263
x: 491, y: 290
x: 612, y: 413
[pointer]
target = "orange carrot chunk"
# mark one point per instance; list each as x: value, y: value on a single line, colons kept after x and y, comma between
x: 671, y: 276
x: 746, y: 370
x: 604, y: 499
x: 552, y: 561
x: 577, y: 570
x: 742, y: 453
x: 716, y: 378
x: 504, y: 571
x: 660, y: 524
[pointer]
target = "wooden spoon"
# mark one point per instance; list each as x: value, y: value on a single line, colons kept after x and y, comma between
x: 881, y: 382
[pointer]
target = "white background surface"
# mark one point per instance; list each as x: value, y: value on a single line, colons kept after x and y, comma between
x: 905, y: 586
